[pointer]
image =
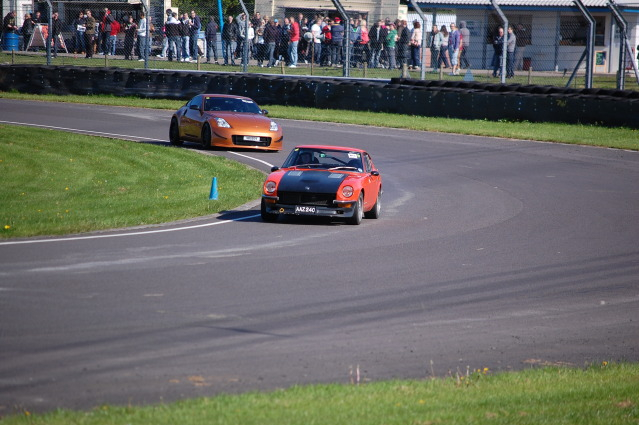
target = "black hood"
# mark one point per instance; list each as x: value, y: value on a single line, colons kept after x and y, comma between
x: 311, y: 181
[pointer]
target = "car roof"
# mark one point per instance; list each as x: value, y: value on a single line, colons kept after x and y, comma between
x: 339, y: 148
x: 232, y: 96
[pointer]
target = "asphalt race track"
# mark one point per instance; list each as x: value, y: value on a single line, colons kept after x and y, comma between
x: 490, y: 253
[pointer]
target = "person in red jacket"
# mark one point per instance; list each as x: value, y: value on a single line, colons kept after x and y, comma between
x: 294, y: 38
x: 113, y: 35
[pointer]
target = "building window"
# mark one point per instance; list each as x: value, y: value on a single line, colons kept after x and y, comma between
x: 574, y: 30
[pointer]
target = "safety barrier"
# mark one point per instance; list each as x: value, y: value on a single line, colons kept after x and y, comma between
x: 455, y: 99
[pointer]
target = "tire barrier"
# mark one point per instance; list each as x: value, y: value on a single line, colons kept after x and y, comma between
x: 455, y: 99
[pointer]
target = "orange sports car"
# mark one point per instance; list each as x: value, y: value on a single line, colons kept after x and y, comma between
x: 225, y: 121
x: 328, y: 181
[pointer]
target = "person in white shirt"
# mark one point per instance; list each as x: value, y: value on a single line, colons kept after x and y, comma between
x: 143, y: 46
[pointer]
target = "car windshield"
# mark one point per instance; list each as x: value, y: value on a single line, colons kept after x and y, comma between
x: 324, y: 159
x: 231, y: 104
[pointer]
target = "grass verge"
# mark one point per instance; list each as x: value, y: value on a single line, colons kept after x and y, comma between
x: 619, y: 138
x: 57, y: 183
x: 605, y: 394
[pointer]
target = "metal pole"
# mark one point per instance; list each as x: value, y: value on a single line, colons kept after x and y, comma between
x: 504, y: 54
x: 245, y: 49
x: 347, y: 38
x: 623, y: 30
x: 422, y: 75
x: 50, y: 32
x: 590, y: 43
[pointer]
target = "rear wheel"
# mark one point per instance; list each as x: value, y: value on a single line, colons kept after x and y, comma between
x: 267, y: 216
x: 174, y: 133
x: 377, y: 208
x: 358, y: 213
x: 206, y: 136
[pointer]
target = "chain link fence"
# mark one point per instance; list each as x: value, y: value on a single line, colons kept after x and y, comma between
x: 374, y: 40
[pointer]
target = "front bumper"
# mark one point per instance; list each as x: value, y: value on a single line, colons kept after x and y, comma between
x: 343, y: 209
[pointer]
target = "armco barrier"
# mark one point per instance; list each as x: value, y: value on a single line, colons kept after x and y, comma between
x: 456, y: 99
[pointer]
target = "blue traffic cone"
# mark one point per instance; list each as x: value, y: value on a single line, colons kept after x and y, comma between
x: 213, y: 194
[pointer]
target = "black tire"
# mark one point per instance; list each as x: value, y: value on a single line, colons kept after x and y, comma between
x: 267, y: 216
x: 358, y: 213
x: 206, y: 136
x: 174, y: 133
x: 377, y: 208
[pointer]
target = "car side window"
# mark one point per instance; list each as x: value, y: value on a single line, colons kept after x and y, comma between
x: 368, y: 163
x: 196, y: 102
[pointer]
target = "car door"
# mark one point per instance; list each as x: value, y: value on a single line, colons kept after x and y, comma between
x: 372, y: 182
x: 192, y: 119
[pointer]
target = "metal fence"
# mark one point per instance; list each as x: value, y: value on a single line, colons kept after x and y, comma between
x: 545, y: 47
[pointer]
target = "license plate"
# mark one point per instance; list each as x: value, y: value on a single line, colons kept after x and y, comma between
x: 252, y: 138
x: 302, y: 209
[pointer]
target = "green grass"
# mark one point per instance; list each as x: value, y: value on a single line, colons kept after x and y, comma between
x: 598, y: 395
x: 620, y: 138
x: 57, y: 183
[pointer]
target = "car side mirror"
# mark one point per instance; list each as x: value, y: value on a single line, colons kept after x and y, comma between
x: 375, y: 173
x: 264, y: 111
x: 274, y: 169
x: 196, y: 107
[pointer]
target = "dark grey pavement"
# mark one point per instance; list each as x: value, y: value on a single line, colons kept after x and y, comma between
x: 489, y: 253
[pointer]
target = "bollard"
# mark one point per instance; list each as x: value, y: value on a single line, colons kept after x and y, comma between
x: 213, y: 194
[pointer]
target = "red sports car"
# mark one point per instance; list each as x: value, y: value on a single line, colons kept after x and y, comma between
x: 327, y: 181
x: 225, y: 121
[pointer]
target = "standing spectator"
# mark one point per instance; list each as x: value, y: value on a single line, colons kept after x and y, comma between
x: 416, y: 45
x: 464, y: 34
x: 402, y: 43
x: 241, y: 34
x: 130, y: 30
x: 391, y: 42
x: 271, y: 35
x: 498, y: 46
x: 37, y: 19
x: 435, y: 43
x: 173, y: 35
x: 443, y: 47
x: 27, y: 30
x: 260, y: 46
x: 56, y: 33
x: 316, y: 30
x: 511, y: 45
x: 79, y: 29
x: 143, y: 45
x: 165, y: 38
x: 453, y: 48
x: 337, y: 40
x: 303, y: 47
x: 364, y: 49
x: 210, y: 33
x: 105, y: 32
x: 185, y: 35
x: 89, y: 34
x: 282, y: 44
x: 113, y: 36
x: 9, y: 25
x: 294, y: 39
x: 377, y: 35
x: 196, y: 26
x: 229, y: 37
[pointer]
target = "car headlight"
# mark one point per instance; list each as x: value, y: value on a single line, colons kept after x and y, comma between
x: 221, y: 122
x: 347, y: 191
x: 274, y: 126
x: 270, y: 187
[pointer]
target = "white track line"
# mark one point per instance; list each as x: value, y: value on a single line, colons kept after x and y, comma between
x: 115, y: 235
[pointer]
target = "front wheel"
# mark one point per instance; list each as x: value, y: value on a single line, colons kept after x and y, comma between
x: 206, y: 136
x: 358, y: 212
x: 377, y: 208
x: 174, y: 133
